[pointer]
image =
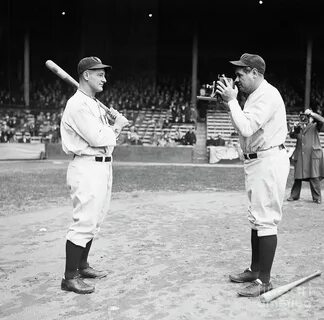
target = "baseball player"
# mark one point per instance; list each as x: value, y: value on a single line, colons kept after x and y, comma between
x: 262, y: 132
x: 87, y: 134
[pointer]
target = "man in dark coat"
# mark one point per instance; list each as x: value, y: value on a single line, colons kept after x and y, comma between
x: 308, y: 155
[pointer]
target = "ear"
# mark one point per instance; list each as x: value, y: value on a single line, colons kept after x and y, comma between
x: 255, y: 73
x: 86, y: 75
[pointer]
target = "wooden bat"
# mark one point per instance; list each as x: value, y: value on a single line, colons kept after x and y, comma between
x: 51, y: 65
x: 277, y: 292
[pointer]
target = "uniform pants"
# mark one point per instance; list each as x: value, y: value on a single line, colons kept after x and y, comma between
x: 265, y: 183
x: 90, y: 185
x: 315, y: 186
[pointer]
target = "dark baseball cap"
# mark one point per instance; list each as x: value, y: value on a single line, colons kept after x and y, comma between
x: 91, y: 63
x: 252, y: 61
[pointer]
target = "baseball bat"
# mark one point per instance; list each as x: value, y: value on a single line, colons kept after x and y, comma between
x: 51, y: 65
x: 277, y: 292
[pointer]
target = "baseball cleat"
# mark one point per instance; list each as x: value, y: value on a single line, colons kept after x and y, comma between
x: 246, y: 276
x: 255, y: 289
x: 76, y: 285
x: 92, y: 273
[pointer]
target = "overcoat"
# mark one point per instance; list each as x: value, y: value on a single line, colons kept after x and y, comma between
x: 308, y: 155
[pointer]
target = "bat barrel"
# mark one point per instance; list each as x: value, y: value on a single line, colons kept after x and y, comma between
x: 277, y: 292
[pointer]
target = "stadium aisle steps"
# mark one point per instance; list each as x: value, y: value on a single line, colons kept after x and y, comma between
x: 199, y: 150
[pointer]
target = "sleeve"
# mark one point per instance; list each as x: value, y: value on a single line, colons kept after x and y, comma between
x: 251, y: 119
x: 91, y: 129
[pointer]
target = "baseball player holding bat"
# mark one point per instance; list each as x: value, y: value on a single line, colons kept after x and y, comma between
x: 262, y: 129
x: 88, y: 136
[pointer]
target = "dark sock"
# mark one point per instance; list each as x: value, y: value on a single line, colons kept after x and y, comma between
x: 255, y: 251
x: 73, y: 257
x: 84, y: 257
x: 267, y: 250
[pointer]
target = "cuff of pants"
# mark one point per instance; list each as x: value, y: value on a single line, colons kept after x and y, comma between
x: 267, y: 232
x: 78, y: 241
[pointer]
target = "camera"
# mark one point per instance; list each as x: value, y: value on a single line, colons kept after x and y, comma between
x: 208, y: 91
x: 303, y: 118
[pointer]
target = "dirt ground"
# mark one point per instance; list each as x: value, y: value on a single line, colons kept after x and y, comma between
x: 169, y: 255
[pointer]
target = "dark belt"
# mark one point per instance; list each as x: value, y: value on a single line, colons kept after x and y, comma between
x: 249, y: 156
x: 103, y: 159
x: 99, y: 159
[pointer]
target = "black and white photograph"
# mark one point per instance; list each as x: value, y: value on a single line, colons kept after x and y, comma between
x: 161, y: 160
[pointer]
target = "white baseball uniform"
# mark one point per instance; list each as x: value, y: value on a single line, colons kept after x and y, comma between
x: 87, y: 135
x: 262, y: 129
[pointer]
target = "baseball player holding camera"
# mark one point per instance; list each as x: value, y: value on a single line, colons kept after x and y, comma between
x: 87, y: 134
x: 262, y: 129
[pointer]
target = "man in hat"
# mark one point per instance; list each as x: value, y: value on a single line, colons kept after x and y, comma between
x: 262, y: 129
x: 88, y: 136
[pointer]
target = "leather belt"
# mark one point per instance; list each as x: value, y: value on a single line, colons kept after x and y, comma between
x: 98, y: 159
x: 103, y: 159
x: 250, y: 156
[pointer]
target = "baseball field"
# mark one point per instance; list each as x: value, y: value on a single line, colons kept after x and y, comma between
x: 173, y: 234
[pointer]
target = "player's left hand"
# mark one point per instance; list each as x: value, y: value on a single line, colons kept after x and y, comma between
x: 226, y: 91
x: 308, y: 112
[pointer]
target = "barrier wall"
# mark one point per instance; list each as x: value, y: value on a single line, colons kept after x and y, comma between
x: 180, y: 154
x: 22, y: 151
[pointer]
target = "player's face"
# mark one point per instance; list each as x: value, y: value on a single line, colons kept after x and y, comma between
x: 244, y: 80
x: 97, y: 79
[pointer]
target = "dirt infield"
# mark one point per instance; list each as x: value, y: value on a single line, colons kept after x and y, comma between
x: 169, y: 254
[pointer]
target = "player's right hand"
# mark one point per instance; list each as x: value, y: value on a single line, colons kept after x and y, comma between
x: 226, y: 91
x: 121, y: 121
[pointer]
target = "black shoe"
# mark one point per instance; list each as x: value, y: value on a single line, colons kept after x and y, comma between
x: 255, y: 289
x: 76, y: 285
x: 318, y: 201
x: 92, y: 273
x: 246, y: 276
x: 291, y: 199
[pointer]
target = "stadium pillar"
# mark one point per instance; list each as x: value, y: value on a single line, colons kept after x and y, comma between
x: 308, y: 73
x: 26, y: 69
x: 194, y: 68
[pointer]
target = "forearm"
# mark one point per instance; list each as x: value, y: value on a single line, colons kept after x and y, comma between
x: 317, y: 117
x: 239, y: 119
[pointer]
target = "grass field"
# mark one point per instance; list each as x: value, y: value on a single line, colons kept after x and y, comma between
x: 33, y: 185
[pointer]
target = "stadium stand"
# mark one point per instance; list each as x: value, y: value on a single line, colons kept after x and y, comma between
x: 218, y: 122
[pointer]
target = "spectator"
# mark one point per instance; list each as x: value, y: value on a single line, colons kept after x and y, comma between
x: 219, y: 141
x: 178, y: 136
x: 133, y: 136
x: 162, y: 142
x: 190, y: 137
x: 308, y: 155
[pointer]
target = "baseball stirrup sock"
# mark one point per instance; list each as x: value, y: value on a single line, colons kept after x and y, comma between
x: 84, y: 257
x: 267, y: 250
x: 255, y: 266
x: 73, y: 257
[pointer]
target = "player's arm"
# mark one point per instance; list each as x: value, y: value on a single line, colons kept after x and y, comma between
x: 91, y: 129
x: 254, y: 117
x: 119, y: 124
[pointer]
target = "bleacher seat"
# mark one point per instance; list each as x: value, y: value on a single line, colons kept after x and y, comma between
x: 219, y: 122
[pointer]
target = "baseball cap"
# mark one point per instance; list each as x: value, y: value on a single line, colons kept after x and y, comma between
x: 252, y: 61
x: 91, y: 63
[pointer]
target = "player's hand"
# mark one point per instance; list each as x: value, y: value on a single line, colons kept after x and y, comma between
x: 121, y: 121
x: 226, y: 91
x: 308, y: 112
x: 113, y: 113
